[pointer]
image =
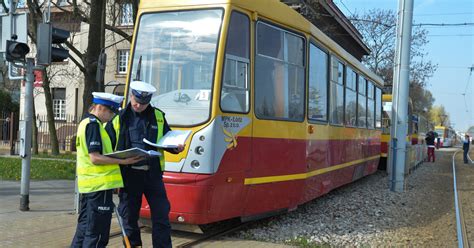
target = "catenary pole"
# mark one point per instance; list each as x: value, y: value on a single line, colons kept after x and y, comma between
x: 26, y: 158
x: 401, y: 83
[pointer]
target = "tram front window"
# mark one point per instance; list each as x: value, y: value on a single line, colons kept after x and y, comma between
x: 176, y: 52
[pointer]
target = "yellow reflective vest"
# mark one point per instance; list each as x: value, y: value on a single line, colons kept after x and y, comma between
x: 160, y: 122
x: 91, y: 177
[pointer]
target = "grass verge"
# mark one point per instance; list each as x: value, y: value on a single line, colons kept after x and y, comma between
x: 10, y: 169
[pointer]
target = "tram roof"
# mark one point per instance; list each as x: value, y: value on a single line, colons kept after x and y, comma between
x: 273, y: 10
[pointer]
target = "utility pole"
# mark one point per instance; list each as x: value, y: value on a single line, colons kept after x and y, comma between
x: 26, y: 136
x: 401, y: 83
x: 16, y: 48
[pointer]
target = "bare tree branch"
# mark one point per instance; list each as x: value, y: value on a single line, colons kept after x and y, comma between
x: 5, y: 7
x: 82, y: 16
x: 79, y: 65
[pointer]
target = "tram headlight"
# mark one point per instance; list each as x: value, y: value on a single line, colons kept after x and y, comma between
x: 199, y: 150
x: 195, y: 164
x: 180, y: 218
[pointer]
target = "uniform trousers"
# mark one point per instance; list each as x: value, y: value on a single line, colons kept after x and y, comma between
x: 431, y: 154
x: 465, y: 156
x: 93, y: 223
x: 150, y: 184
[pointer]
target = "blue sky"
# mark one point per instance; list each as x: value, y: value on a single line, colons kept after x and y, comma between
x: 452, y: 48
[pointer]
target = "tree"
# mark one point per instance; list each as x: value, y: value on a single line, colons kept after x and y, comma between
x: 439, y: 116
x: 93, y: 14
x: 378, y: 28
x: 6, y: 102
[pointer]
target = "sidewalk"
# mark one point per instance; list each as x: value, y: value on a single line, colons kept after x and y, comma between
x: 51, y: 221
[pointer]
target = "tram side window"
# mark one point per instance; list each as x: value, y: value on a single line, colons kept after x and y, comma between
x: 351, y: 98
x: 378, y: 108
x: 362, y: 102
x: 235, y: 82
x: 370, y: 105
x: 336, y: 100
x: 279, y: 74
x: 318, y: 84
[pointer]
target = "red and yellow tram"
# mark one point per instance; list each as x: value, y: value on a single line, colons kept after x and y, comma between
x: 418, y: 126
x: 280, y: 114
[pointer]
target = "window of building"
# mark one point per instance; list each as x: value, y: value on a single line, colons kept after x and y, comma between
x: 336, y: 98
x: 22, y: 4
x: 62, y: 2
x: 126, y: 14
x: 378, y: 107
x: 370, y: 105
x: 59, y: 103
x: 350, y: 113
x: 235, y: 83
x: 279, y: 74
x: 122, y: 61
x: 362, y: 102
x: 318, y: 84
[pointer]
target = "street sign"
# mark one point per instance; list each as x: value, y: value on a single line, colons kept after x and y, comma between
x: 14, y: 73
x: 20, y: 28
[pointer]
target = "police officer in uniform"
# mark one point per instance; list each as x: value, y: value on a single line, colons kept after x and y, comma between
x: 137, y: 121
x: 97, y: 175
x: 465, y: 147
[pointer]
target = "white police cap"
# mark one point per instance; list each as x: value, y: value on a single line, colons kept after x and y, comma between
x: 142, y: 91
x: 110, y: 100
x: 142, y: 87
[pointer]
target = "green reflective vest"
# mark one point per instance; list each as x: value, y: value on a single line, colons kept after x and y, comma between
x: 91, y: 177
x: 160, y: 121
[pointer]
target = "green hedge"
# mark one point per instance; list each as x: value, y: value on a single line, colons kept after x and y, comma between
x: 10, y: 169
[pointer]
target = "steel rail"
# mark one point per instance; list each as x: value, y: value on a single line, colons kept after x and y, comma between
x: 212, y: 235
x: 460, y: 225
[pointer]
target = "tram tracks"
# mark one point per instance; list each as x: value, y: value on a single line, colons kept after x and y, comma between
x: 182, y: 239
x: 460, y: 224
x: 213, y: 235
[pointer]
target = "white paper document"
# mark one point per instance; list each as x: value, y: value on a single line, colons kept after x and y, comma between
x: 132, y: 152
x: 171, y: 139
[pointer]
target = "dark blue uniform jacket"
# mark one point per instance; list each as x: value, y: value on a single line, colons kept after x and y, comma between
x: 134, y: 127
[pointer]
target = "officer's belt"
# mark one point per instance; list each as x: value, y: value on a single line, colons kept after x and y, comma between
x: 141, y: 167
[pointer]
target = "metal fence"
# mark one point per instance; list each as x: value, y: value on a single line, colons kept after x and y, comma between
x: 65, y: 130
x: 8, y: 131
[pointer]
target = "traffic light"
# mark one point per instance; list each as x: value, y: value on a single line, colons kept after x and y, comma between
x: 46, y: 37
x: 16, y: 51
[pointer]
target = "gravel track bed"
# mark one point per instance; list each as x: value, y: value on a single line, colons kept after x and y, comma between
x: 367, y: 214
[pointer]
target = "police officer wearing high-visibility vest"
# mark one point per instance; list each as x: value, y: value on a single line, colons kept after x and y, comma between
x: 97, y: 175
x: 137, y: 121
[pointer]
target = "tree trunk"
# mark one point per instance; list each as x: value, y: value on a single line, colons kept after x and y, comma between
x: 50, y: 115
x: 93, y: 51
x: 35, y: 131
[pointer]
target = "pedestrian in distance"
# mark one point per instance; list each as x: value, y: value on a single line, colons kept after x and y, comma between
x: 465, y: 148
x: 431, y: 146
x: 137, y: 121
x: 97, y: 175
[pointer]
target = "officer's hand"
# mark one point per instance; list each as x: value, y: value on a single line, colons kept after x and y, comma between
x: 180, y: 148
x: 132, y: 160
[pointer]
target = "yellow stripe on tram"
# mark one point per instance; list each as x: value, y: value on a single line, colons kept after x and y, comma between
x: 282, y: 178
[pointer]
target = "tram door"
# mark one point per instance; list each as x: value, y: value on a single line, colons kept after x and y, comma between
x: 236, y: 117
x: 278, y: 134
